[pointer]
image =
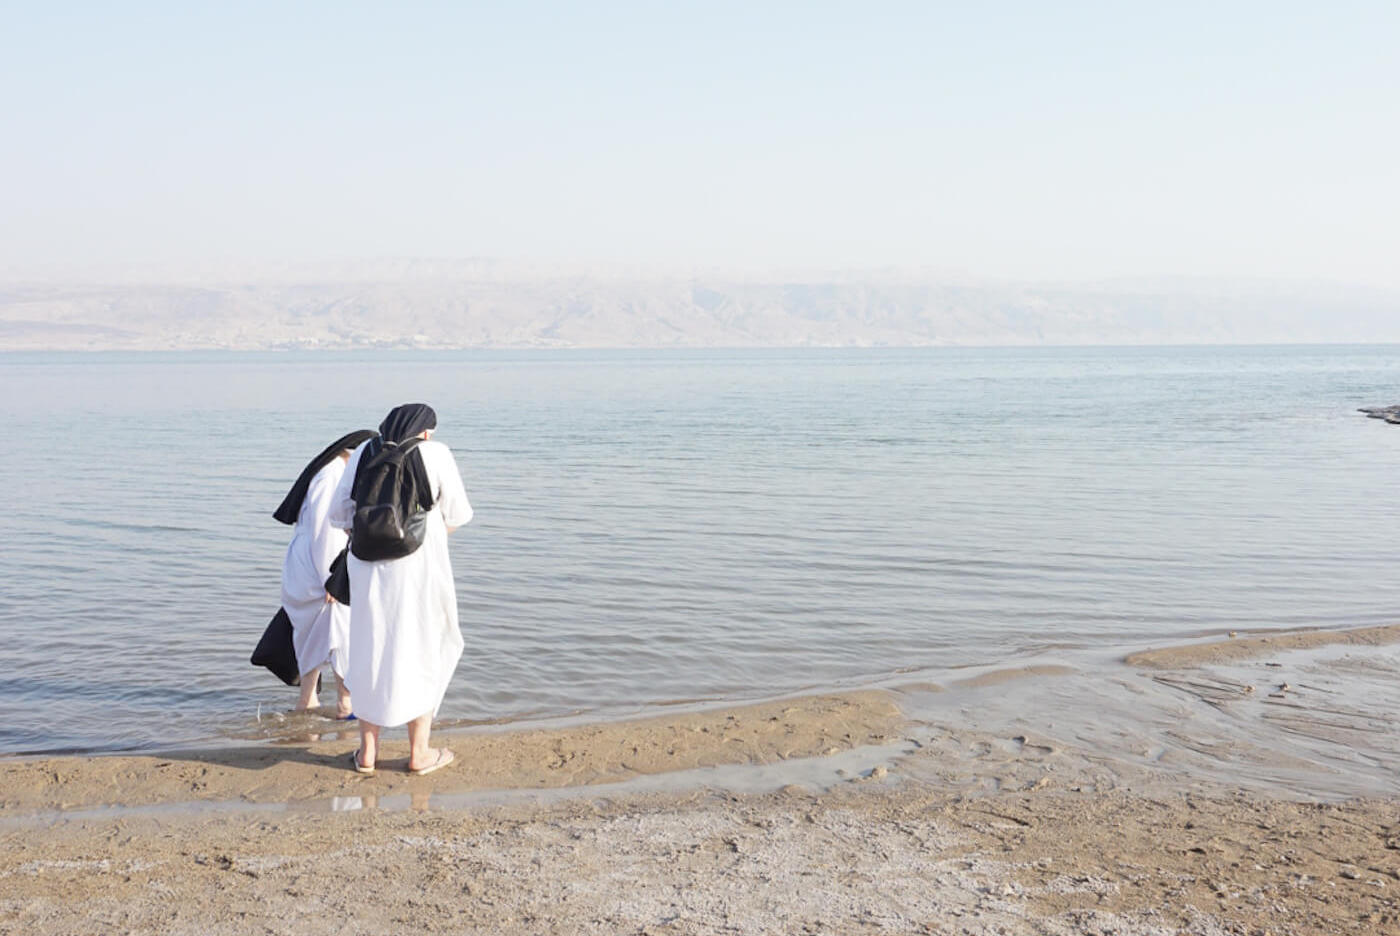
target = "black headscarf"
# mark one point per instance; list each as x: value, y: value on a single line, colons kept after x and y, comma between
x: 406, y: 421
x: 290, y: 508
x: 403, y: 423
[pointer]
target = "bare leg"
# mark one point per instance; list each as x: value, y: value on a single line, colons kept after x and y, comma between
x: 342, y: 697
x: 310, y: 682
x: 419, y: 754
x: 369, y: 744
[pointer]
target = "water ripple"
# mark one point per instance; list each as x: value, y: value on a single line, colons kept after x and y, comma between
x: 653, y: 526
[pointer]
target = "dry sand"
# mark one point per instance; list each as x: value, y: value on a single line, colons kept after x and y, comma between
x: 907, y: 828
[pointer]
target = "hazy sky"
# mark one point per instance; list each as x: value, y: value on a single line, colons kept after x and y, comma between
x: 1011, y: 140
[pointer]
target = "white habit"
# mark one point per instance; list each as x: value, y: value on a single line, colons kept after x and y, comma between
x: 404, y: 638
x: 320, y: 631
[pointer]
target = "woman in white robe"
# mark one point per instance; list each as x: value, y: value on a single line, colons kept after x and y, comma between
x: 405, y: 641
x: 320, y: 626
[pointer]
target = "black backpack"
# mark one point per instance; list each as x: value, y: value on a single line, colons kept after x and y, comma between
x: 391, y: 512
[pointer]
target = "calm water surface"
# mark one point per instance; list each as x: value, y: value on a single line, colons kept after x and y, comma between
x: 663, y: 526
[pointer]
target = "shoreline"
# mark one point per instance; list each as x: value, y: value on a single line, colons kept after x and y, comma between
x: 300, y: 758
x: 999, y: 801
x: 310, y: 763
x: 285, y: 726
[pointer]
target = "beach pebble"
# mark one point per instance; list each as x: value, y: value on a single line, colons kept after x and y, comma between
x: 1350, y: 873
x: 879, y: 772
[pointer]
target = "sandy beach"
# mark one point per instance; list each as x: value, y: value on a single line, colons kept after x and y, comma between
x: 871, y: 811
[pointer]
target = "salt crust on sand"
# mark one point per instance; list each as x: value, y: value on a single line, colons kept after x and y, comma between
x: 860, y: 859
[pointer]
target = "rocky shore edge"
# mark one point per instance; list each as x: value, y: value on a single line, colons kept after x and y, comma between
x: 1390, y: 414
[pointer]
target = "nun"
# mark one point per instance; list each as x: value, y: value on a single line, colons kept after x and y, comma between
x: 320, y: 625
x: 405, y: 641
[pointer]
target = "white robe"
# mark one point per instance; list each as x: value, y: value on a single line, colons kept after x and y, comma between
x: 404, y: 637
x: 320, y: 631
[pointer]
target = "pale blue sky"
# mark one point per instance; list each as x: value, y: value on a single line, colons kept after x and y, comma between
x: 1048, y: 140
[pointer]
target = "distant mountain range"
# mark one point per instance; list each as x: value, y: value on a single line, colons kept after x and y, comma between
x: 479, y: 305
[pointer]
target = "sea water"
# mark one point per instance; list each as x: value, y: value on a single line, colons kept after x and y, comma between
x: 655, y: 527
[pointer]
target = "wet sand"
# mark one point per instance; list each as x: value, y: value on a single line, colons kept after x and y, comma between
x: 1245, y: 648
x: 971, y: 805
x: 307, y: 760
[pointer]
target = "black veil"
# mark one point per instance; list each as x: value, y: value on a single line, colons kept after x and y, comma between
x: 290, y: 507
x: 401, y: 425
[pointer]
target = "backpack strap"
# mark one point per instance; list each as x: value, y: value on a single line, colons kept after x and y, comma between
x: 371, y: 449
x: 425, y: 493
x: 376, y: 446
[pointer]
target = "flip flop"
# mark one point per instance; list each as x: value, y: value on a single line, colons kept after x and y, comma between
x: 444, y: 758
x: 351, y: 717
x: 360, y: 768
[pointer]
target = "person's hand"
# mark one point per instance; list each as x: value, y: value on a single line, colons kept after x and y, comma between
x: 329, y: 598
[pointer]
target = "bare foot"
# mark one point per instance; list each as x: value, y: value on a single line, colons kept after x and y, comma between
x: 343, y: 711
x: 310, y: 692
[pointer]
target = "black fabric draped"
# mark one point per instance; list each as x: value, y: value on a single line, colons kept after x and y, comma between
x: 403, y: 423
x: 338, y: 582
x: 406, y: 421
x: 276, y: 651
x: 290, y: 508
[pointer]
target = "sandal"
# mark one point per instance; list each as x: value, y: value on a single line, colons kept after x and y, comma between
x: 444, y: 758
x: 360, y: 768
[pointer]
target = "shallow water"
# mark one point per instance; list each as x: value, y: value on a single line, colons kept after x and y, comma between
x: 662, y: 526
